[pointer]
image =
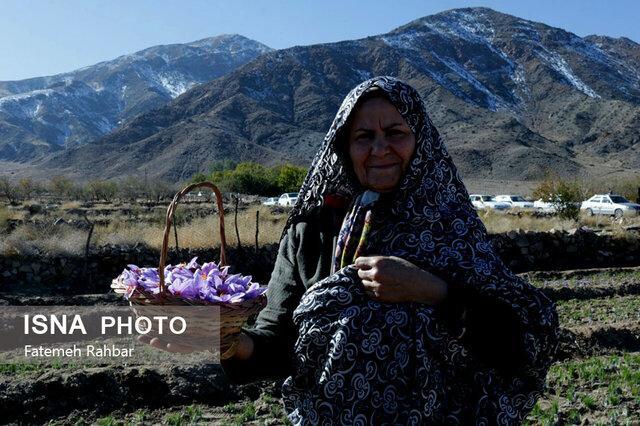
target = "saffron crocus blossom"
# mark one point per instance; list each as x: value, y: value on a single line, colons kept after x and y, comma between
x: 193, y: 281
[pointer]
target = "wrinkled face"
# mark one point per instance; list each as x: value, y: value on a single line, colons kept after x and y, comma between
x: 380, y: 145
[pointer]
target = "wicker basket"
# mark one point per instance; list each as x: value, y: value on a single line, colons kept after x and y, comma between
x: 232, y: 315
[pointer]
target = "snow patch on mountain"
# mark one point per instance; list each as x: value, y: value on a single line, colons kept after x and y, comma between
x: 411, y: 41
x: 493, y: 102
x: 175, y: 84
x: 24, y: 96
x: 526, y: 33
x: 473, y: 29
x: 557, y: 62
x: 597, y: 53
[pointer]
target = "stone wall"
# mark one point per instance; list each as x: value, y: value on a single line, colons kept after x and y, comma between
x: 61, y: 275
x: 575, y: 249
x: 522, y: 251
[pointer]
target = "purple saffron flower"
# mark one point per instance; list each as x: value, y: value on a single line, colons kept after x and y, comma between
x: 131, y: 281
x: 209, y: 268
x: 254, y: 291
x: 185, y: 288
x: 192, y: 281
x: 193, y: 264
x: 237, y: 297
x: 222, y: 298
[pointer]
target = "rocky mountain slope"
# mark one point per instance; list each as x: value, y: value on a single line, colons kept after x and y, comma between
x: 511, y: 97
x: 45, y: 114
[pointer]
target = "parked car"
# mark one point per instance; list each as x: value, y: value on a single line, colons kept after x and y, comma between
x: 481, y: 201
x: 515, y: 201
x: 271, y: 201
x: 544, y: 206
x: 288, y: 199
x: 548, y: 207
x: 610, y: 204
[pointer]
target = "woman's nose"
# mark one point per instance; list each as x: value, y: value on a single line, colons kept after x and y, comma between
x: 380, y: 146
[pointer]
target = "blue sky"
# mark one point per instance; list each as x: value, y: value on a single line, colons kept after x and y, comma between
x: 51, y: 36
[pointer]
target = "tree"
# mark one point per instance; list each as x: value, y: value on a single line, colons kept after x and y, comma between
x: 289, y: 178
x: 8, y: 189
x: 199, y: 177
x: 159, y: 190
x: 222, y: 165
x: 131, y: 188
x: 253, y: 178
x: 61, y: 186
x: 27, y: 187
x: 102, y: 190
x: 564, y: 195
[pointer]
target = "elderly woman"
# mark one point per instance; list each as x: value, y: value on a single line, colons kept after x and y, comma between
x: 387, y: 303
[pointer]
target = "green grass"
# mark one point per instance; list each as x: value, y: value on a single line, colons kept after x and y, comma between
x: 107, y: 421
x: 139, y: 418
x: 599, y: 311
x: 606, y: 277
x: 247, y: 411
x: 187, y: 416
x: 603, y: 385
x: 25, y: 368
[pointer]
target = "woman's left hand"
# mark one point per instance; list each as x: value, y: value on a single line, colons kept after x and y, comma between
x: 392, y: 279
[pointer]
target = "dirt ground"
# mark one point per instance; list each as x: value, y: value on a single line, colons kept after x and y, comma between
x: 596, y: 379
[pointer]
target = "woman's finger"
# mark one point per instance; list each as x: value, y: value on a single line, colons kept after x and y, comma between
x: 365, y: 262
x: 371, y: 285
x: 371, y: 294
x: 143, y: 338
x: 366, y: 274
x: 178, y: 348
x: 157, y: 343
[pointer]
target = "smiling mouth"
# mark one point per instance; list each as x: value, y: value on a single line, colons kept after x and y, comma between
x: 384, y: 166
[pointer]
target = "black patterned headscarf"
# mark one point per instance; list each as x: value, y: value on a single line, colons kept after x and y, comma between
x: 434, y: 225
x: 431, y: 167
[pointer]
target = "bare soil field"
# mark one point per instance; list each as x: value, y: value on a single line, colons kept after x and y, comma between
x: 595, y: 380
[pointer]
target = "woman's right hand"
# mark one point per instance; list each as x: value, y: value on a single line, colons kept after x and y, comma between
x: 241, y: 349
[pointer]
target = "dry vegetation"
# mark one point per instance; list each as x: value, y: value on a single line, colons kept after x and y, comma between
x: 200, y: 232
x: 497, y: 222
x: 64, y: 230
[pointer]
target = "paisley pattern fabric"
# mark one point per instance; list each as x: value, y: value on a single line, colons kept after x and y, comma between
x: 359, y: 361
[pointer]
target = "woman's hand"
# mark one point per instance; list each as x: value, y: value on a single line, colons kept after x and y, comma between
x: 240, y: 348
x: 392, y: 279
x: 156, y: 342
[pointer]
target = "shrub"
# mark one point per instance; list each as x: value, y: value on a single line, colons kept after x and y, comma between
x: 565, y: 195
x: 8, y: 190
x: 62, y: 186
x: 222, y: 165
x: 102, y: 190
x: 627, y: 187
x: 253, y: 178
x: 4, y: 218
x: 27, y: 187
x: 289, y: 178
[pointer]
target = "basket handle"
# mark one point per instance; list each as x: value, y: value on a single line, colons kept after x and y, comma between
x: 169, y: 222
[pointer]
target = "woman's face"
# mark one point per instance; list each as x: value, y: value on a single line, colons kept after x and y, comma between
x: 380, y: 145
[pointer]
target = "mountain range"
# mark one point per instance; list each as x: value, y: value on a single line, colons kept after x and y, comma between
x: 48, y: 114
x: 511, y: 97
